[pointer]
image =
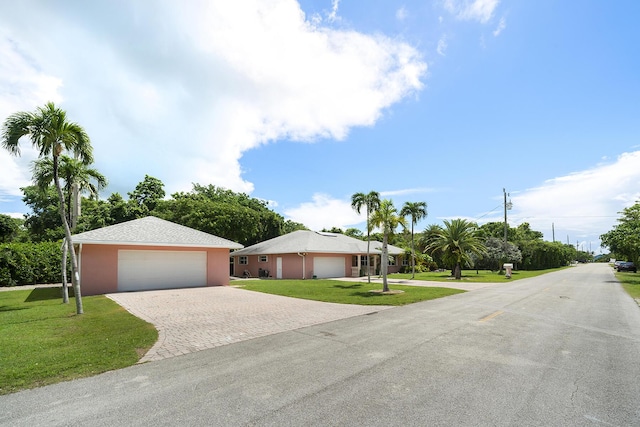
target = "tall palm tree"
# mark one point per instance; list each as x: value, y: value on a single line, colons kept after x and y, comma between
x: 77, y: 178
x: 371, y: 202
x: 387, y: 219
x: 417, y: 211
x: 51, y: 133
x: 457, y: 241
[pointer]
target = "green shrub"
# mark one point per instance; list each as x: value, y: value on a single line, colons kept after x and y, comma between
x: 30, y: 263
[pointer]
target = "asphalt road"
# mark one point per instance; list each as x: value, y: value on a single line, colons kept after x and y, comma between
x: 557, y: 350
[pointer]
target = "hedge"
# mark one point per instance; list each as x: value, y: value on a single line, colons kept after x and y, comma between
x: 30, y: 263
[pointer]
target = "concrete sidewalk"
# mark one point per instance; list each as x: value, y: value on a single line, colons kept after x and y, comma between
x: 453, y: 284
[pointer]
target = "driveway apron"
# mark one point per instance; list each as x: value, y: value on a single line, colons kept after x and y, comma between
x: 190, y: 320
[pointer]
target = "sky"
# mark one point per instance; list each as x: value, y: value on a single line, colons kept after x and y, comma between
x: 302, y: 104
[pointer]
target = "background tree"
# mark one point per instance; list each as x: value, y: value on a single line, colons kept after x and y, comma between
x: 497, y: 253
x: 387, y: 219
x: 457, y: 240
x: 624, y: 239
x: 9, y: 228
x: 416, y: 211
x: 51, y: 133
x: 354, y: 232
x: 148, y: 193
x: 371, y: 202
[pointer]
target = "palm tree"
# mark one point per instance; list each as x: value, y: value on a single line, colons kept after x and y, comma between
x: 77, y: 178
x: 371, y: 202
x: 51, y: 133
x: 457, y: 241
x: 417, y: 211
x: 387, y: 219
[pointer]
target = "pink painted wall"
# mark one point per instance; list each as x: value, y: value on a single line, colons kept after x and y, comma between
x: 99, y: 266
x: 291, y: 265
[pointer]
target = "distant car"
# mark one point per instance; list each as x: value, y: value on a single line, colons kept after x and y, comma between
x: 616, y: 264
x: 627, y: 266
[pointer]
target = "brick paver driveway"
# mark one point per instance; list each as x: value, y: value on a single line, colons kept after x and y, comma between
x: 190, y: 320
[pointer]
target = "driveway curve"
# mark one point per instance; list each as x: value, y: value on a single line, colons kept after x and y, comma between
x: 190, y: 320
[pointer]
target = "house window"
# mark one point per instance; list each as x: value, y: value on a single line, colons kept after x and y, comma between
x: 354, y: 261
x: 363, y: 260
x: 263, y: 258
x: 243, y: 260
x: 405, y: 262
x: 392, y: 260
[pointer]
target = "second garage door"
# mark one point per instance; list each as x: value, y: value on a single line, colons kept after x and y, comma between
x: 326, y: 267
x: 141, y: 270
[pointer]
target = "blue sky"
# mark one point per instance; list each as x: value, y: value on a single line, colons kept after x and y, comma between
x: 305, y: 103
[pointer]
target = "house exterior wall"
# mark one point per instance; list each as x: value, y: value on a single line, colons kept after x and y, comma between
x: 99, y: 266
x: 291, y: 265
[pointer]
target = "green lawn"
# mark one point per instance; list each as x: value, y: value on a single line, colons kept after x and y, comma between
x: 630, y: 282
x: 346, y: 292
x: 43, y: 341
x: 482, y: 276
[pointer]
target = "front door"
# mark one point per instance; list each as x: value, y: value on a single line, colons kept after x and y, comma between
x: 279, y: 267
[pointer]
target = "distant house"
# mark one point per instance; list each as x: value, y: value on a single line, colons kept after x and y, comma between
x: 150, y: 253
x: 307, y: 254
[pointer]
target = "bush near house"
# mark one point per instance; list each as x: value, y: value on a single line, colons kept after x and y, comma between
x: 30, y: 263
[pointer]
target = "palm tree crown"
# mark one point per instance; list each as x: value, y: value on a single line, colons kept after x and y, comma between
x: 457, y: 241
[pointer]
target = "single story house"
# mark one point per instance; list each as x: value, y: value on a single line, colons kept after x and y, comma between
x: 150, y: 253
x: 307, y: 254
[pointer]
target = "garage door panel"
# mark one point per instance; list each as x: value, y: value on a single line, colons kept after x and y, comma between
x: 139, y: 270
x: 327, y: 267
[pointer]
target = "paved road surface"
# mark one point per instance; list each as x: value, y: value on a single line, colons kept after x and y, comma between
x: 557, y: 350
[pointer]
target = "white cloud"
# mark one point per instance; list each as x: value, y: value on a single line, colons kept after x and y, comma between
x: 182, y: 93
x: 405, y: 191
x: 325, y: 212
x: 401, y: 14
x: 442, y: 46
x: 472, y: 10
x: 333, y: 15
x: 582, y: 204
x: 501, y: 26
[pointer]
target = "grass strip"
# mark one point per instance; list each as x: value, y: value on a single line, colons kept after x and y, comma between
x: 341, y: 292
x: 43, y: 341
x: 479, y: 276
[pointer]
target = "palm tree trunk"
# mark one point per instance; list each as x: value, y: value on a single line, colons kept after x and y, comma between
x: 458, y: 271
x: 385, y: 264
x: 368, y: 243
x: 65, y: 288
x: 75, y: 279
x: 413, y: 254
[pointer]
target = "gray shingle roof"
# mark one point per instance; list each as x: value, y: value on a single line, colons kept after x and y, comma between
x: 152, y: 231
x: 305, y: 241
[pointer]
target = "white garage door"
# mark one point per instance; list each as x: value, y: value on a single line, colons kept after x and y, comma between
x: 324, y: 267
x: 140, y: 270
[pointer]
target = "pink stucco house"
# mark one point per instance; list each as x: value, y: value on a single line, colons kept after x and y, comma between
x: 307, y: 254
x: 150, y: 253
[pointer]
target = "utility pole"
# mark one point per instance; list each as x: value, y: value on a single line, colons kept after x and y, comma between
x: 504, y: 192
x: 553, y: 232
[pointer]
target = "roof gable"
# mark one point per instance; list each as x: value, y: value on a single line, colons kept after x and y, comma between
x: 152, y: 231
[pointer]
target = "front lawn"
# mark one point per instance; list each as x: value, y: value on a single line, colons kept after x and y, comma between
x: 630, y: 282
x: 481, y: 276
x: 346, y: 292
x: 43, y: 341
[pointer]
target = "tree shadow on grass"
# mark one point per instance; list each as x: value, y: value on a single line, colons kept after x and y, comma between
x: 44, y: 294
x: 367, y: 294
x: 10, y: 308
x: 352, y: 286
